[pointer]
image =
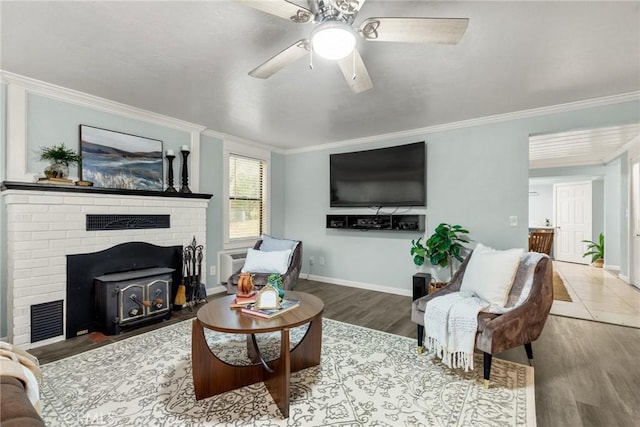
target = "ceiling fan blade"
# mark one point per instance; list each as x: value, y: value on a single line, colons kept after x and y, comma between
x: 282, y: 8
x: 281, y: 60
x: 355, y: 72
x: 415, y: 30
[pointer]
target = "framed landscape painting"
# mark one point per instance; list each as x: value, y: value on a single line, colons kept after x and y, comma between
x: 119, y: 160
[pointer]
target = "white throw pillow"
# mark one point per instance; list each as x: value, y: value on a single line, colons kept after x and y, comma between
x: 266, y: 262
x: 490, y: 273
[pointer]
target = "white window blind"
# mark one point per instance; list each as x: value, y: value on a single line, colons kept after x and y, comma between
x: 247, y: 197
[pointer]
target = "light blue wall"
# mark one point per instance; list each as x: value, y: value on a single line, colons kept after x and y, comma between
x: 623, y: 214
x: 277, y: 199
x: 612, y: 208
x: 597, y: 204
x: 51, y: 122
x: 211, y: 181
x: 477, y: 177
x: 3, y: 212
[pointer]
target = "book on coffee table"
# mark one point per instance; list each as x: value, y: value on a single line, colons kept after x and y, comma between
x: 242, y: 300
x: 285, y: 305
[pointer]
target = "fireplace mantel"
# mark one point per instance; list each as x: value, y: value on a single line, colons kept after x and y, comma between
x: 33, y: 186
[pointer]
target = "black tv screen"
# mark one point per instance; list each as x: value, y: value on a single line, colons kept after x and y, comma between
x: 392, y: 176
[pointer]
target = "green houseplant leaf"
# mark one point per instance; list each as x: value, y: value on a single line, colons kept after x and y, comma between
x: 445, y: 244
x: 418, y: 251
x: 595, y: 250
x: 59, y: 153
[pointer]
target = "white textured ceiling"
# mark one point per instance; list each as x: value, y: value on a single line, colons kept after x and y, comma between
x: 190, y: 60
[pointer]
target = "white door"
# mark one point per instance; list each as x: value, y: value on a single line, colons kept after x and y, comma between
x: 635, y: 224
x: 572, y: 211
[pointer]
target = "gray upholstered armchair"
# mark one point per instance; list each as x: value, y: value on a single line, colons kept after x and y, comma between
x: 289, y: 278
x: 499, y: 332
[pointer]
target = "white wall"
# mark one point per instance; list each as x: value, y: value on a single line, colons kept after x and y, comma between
x: 540, y: 204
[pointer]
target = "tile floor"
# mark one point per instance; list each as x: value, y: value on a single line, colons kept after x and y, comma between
x: 598, y: 295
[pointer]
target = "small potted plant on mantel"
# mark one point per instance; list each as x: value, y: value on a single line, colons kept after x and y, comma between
x: 60, y: 157
x: 441, y: 248
x: 595, y: 251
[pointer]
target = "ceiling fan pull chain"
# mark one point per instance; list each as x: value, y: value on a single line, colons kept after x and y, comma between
x: 311, y: 58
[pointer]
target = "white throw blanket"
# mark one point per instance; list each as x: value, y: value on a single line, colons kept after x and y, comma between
x: 451, y: 322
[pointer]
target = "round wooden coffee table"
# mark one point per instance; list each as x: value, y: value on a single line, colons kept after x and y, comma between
x: 212, y: 376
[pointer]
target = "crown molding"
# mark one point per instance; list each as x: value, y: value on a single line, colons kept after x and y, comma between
x: 49, y: 90
x: 229, y: 137
x: 523, y: 114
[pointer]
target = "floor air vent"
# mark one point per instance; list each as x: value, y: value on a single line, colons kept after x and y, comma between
x: 46, y: 320
x: 126, y: 222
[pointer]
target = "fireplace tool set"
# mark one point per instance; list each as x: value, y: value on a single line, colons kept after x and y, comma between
x: 192, y: 256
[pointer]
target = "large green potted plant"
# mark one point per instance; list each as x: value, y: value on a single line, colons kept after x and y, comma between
x: 595, y: 251
x: 60, y: 157
x: 445, y: 244
x: 441, y: 247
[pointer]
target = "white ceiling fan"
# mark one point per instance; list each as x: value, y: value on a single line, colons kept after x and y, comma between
x: 333, y: 36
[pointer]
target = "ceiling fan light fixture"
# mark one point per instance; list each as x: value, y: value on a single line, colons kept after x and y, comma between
x: 333, y: 40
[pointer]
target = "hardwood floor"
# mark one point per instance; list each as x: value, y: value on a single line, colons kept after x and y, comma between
x: 586, y: 373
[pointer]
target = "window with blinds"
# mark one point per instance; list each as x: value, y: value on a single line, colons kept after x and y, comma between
x: 247, y: 197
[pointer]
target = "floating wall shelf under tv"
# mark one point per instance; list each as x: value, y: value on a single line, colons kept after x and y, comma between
x: 376, y: 222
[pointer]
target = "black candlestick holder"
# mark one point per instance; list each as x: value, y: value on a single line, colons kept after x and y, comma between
x: 185, y: 173
x: 170, y: 188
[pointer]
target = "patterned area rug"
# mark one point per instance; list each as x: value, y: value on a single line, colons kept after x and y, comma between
x: 365, y: 378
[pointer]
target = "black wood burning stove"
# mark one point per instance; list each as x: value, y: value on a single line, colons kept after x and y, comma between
x: 82, y: 269
x: 133, y: 297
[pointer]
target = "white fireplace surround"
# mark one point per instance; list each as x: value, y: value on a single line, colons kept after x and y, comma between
x: 43, y: 227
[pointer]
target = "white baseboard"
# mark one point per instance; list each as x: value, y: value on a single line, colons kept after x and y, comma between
x: 216, y: 290
x: 624, y: 278
x: 361, y: 285
x: 611, y: 267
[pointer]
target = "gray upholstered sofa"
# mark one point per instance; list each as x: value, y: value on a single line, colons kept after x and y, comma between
x: 499, y: 332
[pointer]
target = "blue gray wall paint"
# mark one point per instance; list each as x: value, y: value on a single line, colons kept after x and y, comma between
x: 597, y: 204
x: 211, y: 181
x: 51, y: 122
x: 277, y: 199
x: 615, y: 210
x: 477, y: 177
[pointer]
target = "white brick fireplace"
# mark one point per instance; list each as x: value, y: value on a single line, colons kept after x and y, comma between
x: 43, y: 227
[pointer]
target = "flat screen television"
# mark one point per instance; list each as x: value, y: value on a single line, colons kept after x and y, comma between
x: 391, y: 176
